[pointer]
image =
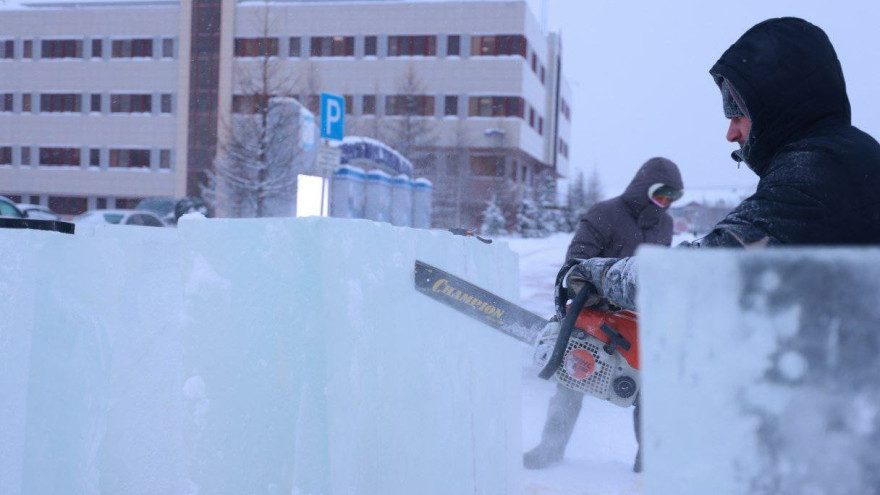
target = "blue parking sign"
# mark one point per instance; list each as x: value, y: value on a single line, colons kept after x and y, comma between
x: 332, y: 116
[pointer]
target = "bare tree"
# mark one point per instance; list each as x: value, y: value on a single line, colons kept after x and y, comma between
x: 413, y: 126
x: 255, y: 172
x: 451, y: 180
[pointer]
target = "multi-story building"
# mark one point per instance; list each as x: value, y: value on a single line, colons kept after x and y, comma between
x: 107, y: 102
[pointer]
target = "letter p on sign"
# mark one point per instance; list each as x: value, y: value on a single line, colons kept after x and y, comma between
x: 332, y: 116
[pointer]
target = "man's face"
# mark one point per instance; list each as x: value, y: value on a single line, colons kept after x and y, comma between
x: 739, y: 129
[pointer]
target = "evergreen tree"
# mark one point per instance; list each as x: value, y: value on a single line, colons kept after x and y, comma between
x: 550, y: 216
x: 528, y: 218
x: 593, y: 193
x: 494, y: 222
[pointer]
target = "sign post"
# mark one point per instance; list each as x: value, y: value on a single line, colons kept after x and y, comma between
x: 332, y: 129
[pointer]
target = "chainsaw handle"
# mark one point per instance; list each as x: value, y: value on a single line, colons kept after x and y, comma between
x: 560, y: 293
x: 565, y: 330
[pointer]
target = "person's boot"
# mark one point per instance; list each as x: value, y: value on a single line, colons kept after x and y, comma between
x: 562, y: 415
x: 637, y: 424
x: 542, y: 456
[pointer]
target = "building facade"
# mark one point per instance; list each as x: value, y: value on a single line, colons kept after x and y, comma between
x: 106, y: 103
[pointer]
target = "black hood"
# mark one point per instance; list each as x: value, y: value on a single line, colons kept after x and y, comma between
x: 790, y: 80
x: 654, y: 171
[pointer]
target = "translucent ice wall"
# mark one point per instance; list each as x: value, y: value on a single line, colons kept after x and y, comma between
x: 287, y: 356
x: 760, y: 371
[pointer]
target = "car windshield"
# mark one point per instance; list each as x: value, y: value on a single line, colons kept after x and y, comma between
x: 162, y: 206
x: 113, y: 217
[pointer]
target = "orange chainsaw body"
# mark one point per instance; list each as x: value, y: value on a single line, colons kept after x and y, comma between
x: 624, y: 322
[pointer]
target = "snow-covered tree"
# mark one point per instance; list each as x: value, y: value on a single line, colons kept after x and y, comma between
x: 255, y: 172
x: 581, y: 197
x: 528, y: 217
x: 593, y: 194
x: 494, y: 222
x: 551, y: 216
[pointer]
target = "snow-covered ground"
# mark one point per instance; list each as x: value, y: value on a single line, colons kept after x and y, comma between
x: 601, y: 452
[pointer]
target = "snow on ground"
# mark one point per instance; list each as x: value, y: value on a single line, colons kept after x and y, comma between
x: 601, y: 452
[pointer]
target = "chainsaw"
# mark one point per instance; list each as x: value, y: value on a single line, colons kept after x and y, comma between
x: 588, y: 349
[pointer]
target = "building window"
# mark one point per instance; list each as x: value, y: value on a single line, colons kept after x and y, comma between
x: 541, y: 126
x: 25, y: 155
x: 534, y: 63
x: 349, y: 104
x: 295, y: 47
x: 7, y: 49
x: 247, y: 104
x: 495, y: 106
x: 66, y: 205
x: 95, y: 103
x: 425, y: 46
x: 101, y: 203
x: 313, y: 103
x: 487, y: 166
x: 26, y: 102
x: 368, y: 105
x: 57, y: 103
x: 165, y: 107
x: 453, y: 45
x: 97, y: 48
x: 165, y: 159
x: 418, y: 105
x: 371, y: 46
x: 531, y: 117
x: 94, y: 157
x: 256, y: 47
x: 167, y: 47
x: 130, y: 158
x: 566, y: 110
x: 5, y: 155
x: 563, y: 148
x: 6, y: 104
x: 131, y: 103
x: 332, y: 46
x: 61, y: 48
x: 59, y: 156
x: 28, y: 49
x: 450, y: 105
x: 133, y: 48
x: 127, y: 203
x: 499, y: 45
x: 543, y: 75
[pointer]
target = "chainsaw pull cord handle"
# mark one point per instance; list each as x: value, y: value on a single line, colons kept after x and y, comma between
x: 565, y: 329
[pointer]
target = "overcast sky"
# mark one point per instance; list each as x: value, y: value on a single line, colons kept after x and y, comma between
x: 639, y: 74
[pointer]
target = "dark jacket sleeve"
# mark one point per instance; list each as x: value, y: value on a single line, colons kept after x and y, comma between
x: 590, y: 238
x: 792, y: 205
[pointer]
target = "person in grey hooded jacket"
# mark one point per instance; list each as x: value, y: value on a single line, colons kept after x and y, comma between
x: 611, y: 229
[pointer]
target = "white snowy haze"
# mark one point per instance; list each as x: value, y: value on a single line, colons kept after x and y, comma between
x: 639, y: 73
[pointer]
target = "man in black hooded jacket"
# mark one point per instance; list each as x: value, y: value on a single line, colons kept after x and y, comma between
x: 611, y: 228
x: 783, y: 89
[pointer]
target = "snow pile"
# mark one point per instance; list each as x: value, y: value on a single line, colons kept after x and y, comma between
x: 252, y: 356
x: 760, y: 371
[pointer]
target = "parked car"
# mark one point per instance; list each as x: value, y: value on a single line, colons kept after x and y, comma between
x: 37, y: 212
x: 8, y: 208
x: 170, y: 209
x: 120, y: 217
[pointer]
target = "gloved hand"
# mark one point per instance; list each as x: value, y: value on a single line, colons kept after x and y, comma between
x: 578, y: 277
x: 546, y: 342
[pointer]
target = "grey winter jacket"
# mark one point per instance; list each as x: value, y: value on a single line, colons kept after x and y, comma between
x: 616, y: 227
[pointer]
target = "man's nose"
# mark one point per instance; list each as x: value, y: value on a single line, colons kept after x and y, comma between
x: 733, y: 134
